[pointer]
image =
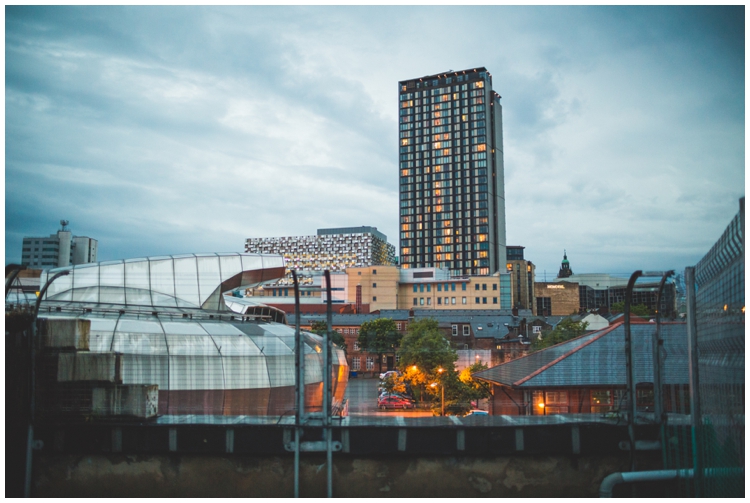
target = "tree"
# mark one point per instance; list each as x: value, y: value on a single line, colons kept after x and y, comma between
x: 565, y: 330
x: 379, y: 336
x: 321, y: 327
x: 641, y: 310
x: 476, y: 389
x: 423, y: 352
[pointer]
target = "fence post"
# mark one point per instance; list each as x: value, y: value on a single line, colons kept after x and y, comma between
x: 695, y: 411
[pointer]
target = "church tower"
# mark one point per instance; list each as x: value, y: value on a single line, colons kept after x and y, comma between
x: 565, y: 271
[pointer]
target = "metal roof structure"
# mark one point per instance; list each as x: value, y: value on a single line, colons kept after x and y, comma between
x: 596, y: 359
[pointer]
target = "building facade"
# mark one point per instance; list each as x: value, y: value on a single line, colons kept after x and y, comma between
x: 331, y: 249
x: 452, y: 187
x: 58, y: 250
x: 556, y: 298
x: 522, y: 274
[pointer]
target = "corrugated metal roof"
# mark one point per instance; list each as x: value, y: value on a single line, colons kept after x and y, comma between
x: 597, y: 358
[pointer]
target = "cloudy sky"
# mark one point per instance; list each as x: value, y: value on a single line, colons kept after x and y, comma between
x: 165, y: 130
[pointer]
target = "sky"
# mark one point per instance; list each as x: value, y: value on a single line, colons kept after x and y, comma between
x: 168, y: 130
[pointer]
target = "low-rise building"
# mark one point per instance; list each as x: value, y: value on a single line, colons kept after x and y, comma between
x: 58, y: 250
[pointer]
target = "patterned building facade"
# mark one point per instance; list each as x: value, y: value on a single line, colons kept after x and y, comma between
x: 331, y: 249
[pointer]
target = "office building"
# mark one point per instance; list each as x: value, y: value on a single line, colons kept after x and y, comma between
x: 58, y: 250
x: 522, y: 273
x: 331, y: 249
x: 452, y: 188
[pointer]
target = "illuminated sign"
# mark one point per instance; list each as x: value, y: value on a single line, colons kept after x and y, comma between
x: 561, y: 287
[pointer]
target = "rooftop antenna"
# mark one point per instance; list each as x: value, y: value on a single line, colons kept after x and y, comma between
x: 64, y: 223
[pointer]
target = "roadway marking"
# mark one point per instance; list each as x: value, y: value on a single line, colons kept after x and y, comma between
x: 510, y: 419
x: 400, y: 421
x: 456, y: 420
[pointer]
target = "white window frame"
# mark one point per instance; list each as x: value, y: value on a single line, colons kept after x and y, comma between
x: 467, y: 330
x: 370, y: 363
x: 356, y: 346
x: 356, y: 363
x: 454, y: 330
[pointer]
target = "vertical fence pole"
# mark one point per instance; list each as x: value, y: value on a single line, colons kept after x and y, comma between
x: 695, y: 410
x: 630, y: 368
x: 327, y: 370
x: 299, y: 383
x: 657, y: 344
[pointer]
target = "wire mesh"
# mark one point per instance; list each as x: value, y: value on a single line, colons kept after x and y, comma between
x: 719, y: 440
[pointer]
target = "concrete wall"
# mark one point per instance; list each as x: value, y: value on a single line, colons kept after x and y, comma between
x: 273, y: 476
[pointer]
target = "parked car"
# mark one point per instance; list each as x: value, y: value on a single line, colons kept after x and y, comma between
x: 398, y: 395
x: 477, y: 412
x: 395, y: 402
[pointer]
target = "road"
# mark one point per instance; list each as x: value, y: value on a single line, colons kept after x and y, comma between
x: 363, y: 394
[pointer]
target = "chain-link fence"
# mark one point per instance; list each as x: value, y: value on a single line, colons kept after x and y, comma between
x: 715, y: 446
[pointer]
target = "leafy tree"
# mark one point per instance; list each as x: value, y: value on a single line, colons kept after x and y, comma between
x: 379, y: 336
x: 565, y: 330
x: 641, y: 310
x: 321, y: 327
x: 476, y: 389
x: 423, y: 352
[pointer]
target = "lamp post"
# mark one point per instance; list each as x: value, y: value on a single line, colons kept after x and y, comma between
x: 442, y: 392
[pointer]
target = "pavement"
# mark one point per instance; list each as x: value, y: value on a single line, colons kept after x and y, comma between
x: 362, y: 394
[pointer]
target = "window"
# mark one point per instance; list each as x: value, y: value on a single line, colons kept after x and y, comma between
x: 463, y: 300
x: 536, y: 330
x: 421, y: 301
x: 463, y: 287
x: 446, y: 301
x: 467, y: 331
x: 601, y: 401
x: 370, y: 363
x: 453, y: 287
x: 556, y: 402
x: 374, y: 271
x: 476, y: 287
x: 428, y: 288
x: 356, y: 363
x: 476, y: 301
x: 421, y: 288
x: 429, y: 300
x: 453, y: 300
x: 374, y: 285
x: 440, y: 287
x: 415, y: 301
x: 440, y: 300
x: 484, y: 300
x: 356, y: 346
x: 484, y: 286
x: 398, y: 325
x: 374, y: 299
x: 415, y: 288
x: 454, y: 330
x: 494, y: 286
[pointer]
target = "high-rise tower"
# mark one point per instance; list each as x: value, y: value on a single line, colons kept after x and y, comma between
x: 451, y: 172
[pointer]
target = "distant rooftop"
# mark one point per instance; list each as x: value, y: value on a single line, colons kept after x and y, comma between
x: 354, y: 230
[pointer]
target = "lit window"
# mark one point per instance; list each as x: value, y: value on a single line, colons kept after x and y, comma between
x: 356, y: 346
x: 429, y: 301
x: 370, y: 363
x: 463, y: 300
x: 453, y: 300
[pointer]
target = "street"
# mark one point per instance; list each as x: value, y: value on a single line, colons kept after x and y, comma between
x: 363, y: 395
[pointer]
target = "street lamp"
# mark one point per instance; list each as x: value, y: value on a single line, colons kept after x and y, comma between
x: 442, y: 397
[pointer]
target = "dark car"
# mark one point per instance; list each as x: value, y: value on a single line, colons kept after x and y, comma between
x: 395, y: 402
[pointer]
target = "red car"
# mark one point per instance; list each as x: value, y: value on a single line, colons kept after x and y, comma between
x: 394, y: 402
